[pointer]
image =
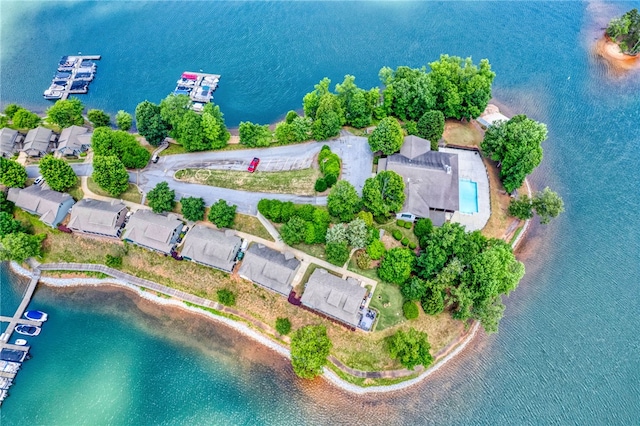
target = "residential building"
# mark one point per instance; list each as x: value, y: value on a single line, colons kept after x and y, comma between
x: 96, y: 217
x: 51, y: 206
x: 38, y: 142
x: 212, y: 247
x: 9, y: 142
x: 153, y: 231
x: 74, y: 140
x: 269, y: 268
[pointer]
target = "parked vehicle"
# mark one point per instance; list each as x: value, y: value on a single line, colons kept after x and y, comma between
x: 155, y: 158
x: 254, y: 165
x: 39, y: 180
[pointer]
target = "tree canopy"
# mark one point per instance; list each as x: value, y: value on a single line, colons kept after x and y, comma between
x: 410, y: 347
x: 396, y: 265
x: 12, y: 173
x: 387, y: 136
x: 9, y: 225
x: 124, y: 120
x: 161, y: 198
x: 383, y: 193
x: 357, y: 104
x: 516, y: 144
x: 625, y: 31
x: 19, y: 246
x: 57, y: 173
x: 343, y: 201
x: 150, y: 123
x: 329, y: 118
x: 172, y: 109
x: 118, y: 143
x: 431, y: 126
x: 25, y: 119
x: 546, y: 203
x: 110, y: 174
x: 192, y: 208
x: 222, y: 214
x: 98, y: 118
x: 254, y: 135
x: 66, y: 113
x: 310, y: 347
x: 408, y: 93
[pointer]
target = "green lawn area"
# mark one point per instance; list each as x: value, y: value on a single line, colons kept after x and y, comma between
x: 174, y: 148
x: 131, y: 194
x: 388, y: 300
x: 250, y: 225
x: 464, y: 134
x: 299, y: 182
x: 369, y: 273
x: 76, y: 191
x: 390, y: 227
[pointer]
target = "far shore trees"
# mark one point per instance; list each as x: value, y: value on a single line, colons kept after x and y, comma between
x: 310, y: 347
x: 66, y: 113
x: 515, y: 144
x: 124, y: 120
x: 625, y: 31
x: 161, y: 198
x: 387, y: 136
x: 222, y: 214
x: 98, y: 118
x: 193, y: 208
x: 410, y: 348
x: 57, y: 173
x: 110, y: 174
x: 12, y: 174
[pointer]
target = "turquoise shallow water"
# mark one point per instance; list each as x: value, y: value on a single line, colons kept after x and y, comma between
x: 568, y: 349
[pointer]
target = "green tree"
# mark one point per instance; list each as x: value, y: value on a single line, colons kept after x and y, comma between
x: 24, y: 119
x: 336, y: 234
x: 118, y: 143
x: 547, y: 205
x: 414, y: 289
x: 222, y: 214
x: 302, y: 128
x: 515, y: 144
x: 19, y: 246
x: 431, y: 127
x: 311, y: 101
x: 110, y: 174
x: 291, y: 115
x: 57, y: 173
x: 8, y: 225
x: 98, y: 118
x: 383, y: 193
x: 329, y: 118
x: 124, y: 120
x: 433, y: 302
x: 343, y: 201
x: 293, y: 232
x: 461, y: 89
x: 396, y: 265
x: 410, y: 347
x: 387, y: 136
x: 337, y: 253
x: 625, y: 31
x: 226, y: 297
x: 357, y: 233
x: 11, y: 109
x: 408, y: 92
x: 190, y: 134
x: 192, y: 208
x: 6, y: 206
x: 172, y: 109
x: 66, y: 113
x: 150, y: 123
x: 489, y: 313
x: 354, y: 103
x: 410, y: 310
x: 283, y: 326
x: 522, y: 208
x: 12, y: 174
x: 310, y: 347
x: 254, y: 135
x: 376, y: 249
x: 161, y: 198
x: 213, y: 128
x: 422, y: 228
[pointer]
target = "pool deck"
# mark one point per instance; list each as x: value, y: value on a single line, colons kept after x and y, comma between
x: 471, y: 167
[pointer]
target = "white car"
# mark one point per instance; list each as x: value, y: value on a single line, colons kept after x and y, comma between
x: 39, y: 180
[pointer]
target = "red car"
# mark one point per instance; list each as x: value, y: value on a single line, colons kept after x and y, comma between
x: 254, y: 165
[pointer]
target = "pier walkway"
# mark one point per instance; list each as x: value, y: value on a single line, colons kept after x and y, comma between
x: 17, y: 317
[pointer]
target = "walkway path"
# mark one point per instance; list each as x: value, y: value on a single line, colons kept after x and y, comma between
x: 26, y: 298
x: 88, y: 193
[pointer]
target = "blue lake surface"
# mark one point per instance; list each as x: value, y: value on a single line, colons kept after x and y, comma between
x: 568, y: 350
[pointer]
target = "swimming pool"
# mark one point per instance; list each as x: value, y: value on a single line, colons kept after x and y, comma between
x: 468, y: 196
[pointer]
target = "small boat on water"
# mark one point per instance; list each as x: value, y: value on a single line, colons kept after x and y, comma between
x: 20, y: 342
x: 36, y: 316
x: 28, y: 330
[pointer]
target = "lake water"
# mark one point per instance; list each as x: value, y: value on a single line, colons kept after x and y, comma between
x: 568, y: 349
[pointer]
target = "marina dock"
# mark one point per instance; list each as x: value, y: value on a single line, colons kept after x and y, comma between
x: 73, y: 75
x: 198, y: 86
x: 10, y: 354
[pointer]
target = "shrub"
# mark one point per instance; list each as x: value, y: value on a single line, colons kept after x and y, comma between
x: 397, y: 235
x: 310, y: 347
x: 330, y: 180
x: 410, y: 310
x: 366, y: 216
x: 283, y: 326
x: 408, y: 225
x: 400, y: 223
x: 305, y: 211
x: 294, y: 231
x: 337, y: 253
x: 222, y: 214
x: 363, y: 260
x: 433, y: 302
x: 113, y: 261
x: 404, y: 241
x: 321, y: 185
x: 423, y: 228
x: 226, y: 297
x: 336, y: 234
x: 412, y: 245
x: 376, y: 249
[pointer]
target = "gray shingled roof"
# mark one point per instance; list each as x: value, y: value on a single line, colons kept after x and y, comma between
x: 37, y: 141
x: 74, y: 140
x: 269, y: 268
x: 98, y: 217
x: 212, y: 247
x: 155, y: 231
x: 42, y: 202
x: 8, y: 139
x: 430, y: 177
x: 333, y: 296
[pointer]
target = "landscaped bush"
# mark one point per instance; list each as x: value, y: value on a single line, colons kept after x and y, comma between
x: 363, y: 260
x: 337, y: 253
x: 113, y: 261
x: 412, y: 245
x: 376, y: 249
x: 404, y: 241
x: 408, y: 225
x: 397, y: 235
x: 330, y: 180
x: 400, y: 223
x: 283, y: 326
x: 226, y: 297
x: 410, y: 310
x: 320, y: 185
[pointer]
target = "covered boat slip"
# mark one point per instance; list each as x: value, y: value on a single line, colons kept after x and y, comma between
x: 198, y: 86
x: 73, y: 75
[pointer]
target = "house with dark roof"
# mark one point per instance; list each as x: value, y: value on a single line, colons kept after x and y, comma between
x: 212, y: 247
x: 269, y: 268
x: 96, y: 217
x: 153, y: 231
x: 9, y: 142
x: 51, y: 206
x: 430, y: 178
x: 74, y: 140
x: 334, y: 297
x: 38, y: 142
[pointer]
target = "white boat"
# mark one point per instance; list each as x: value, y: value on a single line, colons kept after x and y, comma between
x: 20, y: 342
x: 52, y: 94
x: 28, y: 330
x: 36, y: 316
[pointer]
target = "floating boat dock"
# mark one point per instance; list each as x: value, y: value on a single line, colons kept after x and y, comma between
x: 12, y: 356
x: 72, y: 77
x: 198, y: 86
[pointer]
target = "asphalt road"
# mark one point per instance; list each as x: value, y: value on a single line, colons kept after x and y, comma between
x: 353, y: 150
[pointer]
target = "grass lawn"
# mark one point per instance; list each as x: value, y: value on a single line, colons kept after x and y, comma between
x: 251, y: 225
x: 76, y: 191
x: 369, y: 273
x: 131, y: 194
x: 173, y: 148
x: 390, y: 227
x: 299, y: 182
x: 464, y: 134
x: 388, y: 300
